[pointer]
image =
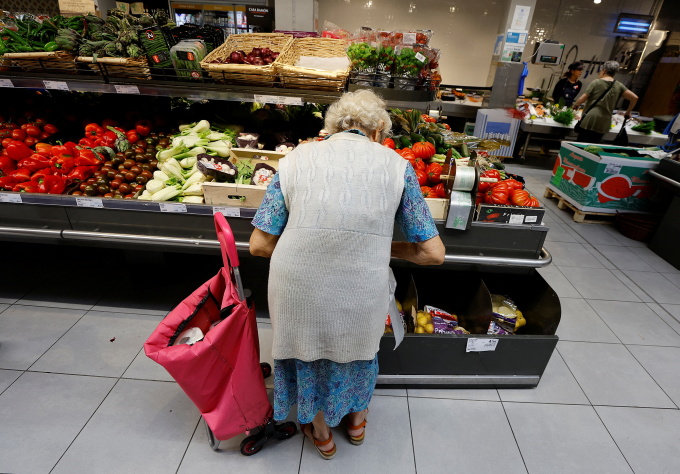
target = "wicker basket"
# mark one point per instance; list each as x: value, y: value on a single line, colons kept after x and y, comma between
x: 126, y: 68
x: 307, y: 78
x: 53, y: 62
x: 246, y: 73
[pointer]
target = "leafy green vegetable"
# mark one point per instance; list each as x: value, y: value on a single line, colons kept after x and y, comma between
x: 645, y: 127
x: 564, y: 117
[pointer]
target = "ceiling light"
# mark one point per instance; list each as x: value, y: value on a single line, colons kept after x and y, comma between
x: 597, y: 2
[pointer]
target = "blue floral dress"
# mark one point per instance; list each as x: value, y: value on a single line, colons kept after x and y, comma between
x: 323, y: 385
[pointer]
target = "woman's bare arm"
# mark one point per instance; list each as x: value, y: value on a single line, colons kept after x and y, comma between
x: 632, y: 99
x: 429, y: 252
x: 262, y: 244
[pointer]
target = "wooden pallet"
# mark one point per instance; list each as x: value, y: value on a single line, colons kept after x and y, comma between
x: 589, y: 217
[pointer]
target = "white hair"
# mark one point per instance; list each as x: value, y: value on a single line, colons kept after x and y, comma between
x: 360, y: 109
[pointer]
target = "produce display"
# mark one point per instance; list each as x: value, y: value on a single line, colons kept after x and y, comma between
x: 34, y: 34
x: 256, y: 57
x: 644, y: 127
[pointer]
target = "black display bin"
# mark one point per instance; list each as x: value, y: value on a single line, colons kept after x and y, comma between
x: 441, y: 360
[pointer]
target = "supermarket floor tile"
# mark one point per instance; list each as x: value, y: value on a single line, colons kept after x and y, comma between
x: 387, y: 448
x: 648, y: 438
x: 141, y: 426
x: 669, y: 312
x: 29, y: 331
x: 623, y: 258
x: 3, y: 307
x: 564, y: 439
x: 143, y: 368
x: 622, y: 239
x: 276, y: 456
x: 7, y: 378
x: 656, y: 262
x: 631, y: 285
x: 606, y: 263
x: 482, y: 394
x: 673, y: 278
x: 558, y: 282
x: 463, y: 433
x: 636, y: 323
x: 558, y: 233
x: 593, y: 233
x: 598, y: 284
x: 656, y: 286
x: 616, y: 379
x: 662, y: 365
x: 580, y: 322
x: 42, y: 414
x: 557, y: 385
x: 569, y: 254
x: 98, y: 344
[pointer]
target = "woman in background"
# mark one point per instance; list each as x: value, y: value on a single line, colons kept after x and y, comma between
x: 569, y: 86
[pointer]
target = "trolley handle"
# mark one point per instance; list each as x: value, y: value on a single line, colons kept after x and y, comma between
x: 227, y: 243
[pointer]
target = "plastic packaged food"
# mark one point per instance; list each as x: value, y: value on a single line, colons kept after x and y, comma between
x: 186, y: 59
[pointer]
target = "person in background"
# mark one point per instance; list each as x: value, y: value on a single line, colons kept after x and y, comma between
x: 596, y: 122
x: 327, y: 221
x: 569, y: 86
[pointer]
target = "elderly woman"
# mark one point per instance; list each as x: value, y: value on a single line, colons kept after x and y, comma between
x: 601, y: 96
x: 327, y: 221
x: 569, y: 86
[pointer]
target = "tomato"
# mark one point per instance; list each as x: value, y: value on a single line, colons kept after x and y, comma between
x: 424, y: 150
x: 439, y: 190
x: 389, y: 143
x: 418, y: 165
x: 143, y: 127
x: 498, y: 194
x: 7, y: 141
x: 5, y: 133
x: 407, y: 153
x: 434, y: 171
x: 519, y: 196
x: 30, y: 141
x: 18, y: 134
x: 422, y: 177
x: 132, y: 136
x: 428, y: 192
x: 49, y: 128
x: 44, y: 136
x: 513, y: 184
x: 532, y: 202
x: 32, y: 131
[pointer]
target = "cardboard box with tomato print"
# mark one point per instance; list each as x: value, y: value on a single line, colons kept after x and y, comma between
x: 606, y: 181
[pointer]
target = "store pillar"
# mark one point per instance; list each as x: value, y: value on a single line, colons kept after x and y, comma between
x: 297, y: 15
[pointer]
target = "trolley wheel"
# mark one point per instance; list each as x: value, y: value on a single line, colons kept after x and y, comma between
x: 286, y: 430
x: 266, y: 369
x: 212, y: 441
x: 249, y: 446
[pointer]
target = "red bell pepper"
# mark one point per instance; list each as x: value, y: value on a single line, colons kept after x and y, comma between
x: 52, y: 185
x: 34, y: 163
x: 40, y: 174
x: 87, y: 157
x: 132, y: 136
x: 7, y: 165
x: 18, y: 150
x: 26, y: 187
x: 8, y: 182
x: 72, y: 146
x: 88, y: 142
x: 43, y: 149
x: 81, y: 173
x: 22, y: 174
x: 63, y: 163
x: 108, y: 139
x: 93, y: 130
x: 143, y: 127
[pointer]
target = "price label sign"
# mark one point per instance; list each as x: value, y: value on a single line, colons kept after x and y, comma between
x: 613, y: 168
x: 89, y: 202
x: 276, y: 99
x: 476, y: 344
x: 6, y: 197
x: 56, y: 85
x: 6, y: 83
x: 227, y: 211
x: 173, y: 207
x: 125, y: 89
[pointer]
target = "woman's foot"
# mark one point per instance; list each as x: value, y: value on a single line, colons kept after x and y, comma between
x: 322, y: 439
x: 356, y: 426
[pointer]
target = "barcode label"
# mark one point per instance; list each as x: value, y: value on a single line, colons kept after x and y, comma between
x: 89, y: 202
x: 6, y: 83
x: 476, y: 344
x: 123, y: 89
x: 4, y: 197
x: 173, y: 207
x: 227, y: 211
x: 56, y: 85
x: 276, y: 99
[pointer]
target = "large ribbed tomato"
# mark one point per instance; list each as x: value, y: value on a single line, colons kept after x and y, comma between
x: 407, y: 153
x: 519, y: 197
x: 498, y: 194
x: 424, y: 150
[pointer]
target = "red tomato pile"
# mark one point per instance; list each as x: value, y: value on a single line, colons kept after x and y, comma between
x: 505, y: 191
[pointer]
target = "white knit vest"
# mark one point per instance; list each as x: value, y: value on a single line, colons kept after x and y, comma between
x: 328, y: 279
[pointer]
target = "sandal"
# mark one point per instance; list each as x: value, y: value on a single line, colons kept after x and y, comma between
x: 318, y: 444
x: 357, y: 440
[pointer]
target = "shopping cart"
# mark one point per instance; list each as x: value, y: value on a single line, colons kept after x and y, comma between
x: 221, y: 373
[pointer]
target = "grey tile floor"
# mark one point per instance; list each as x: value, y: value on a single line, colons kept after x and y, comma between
x: 78, y: 395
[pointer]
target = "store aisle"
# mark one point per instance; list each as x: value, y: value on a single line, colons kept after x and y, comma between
x: 77, y: 393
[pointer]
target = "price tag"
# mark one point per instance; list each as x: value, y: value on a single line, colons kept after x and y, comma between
x: 476, y: 344
x: 88, y: 202
x: 173, y: 207
x: 420, y: 57
x: 409, y: 38
x: 56, y: 85
x: 227, y: 211
x: 275, y: 99
x: 123, y: 89
x: 516, y: 219
x: 4, y: 197
x: 6, y: 83
x: 654, y: 153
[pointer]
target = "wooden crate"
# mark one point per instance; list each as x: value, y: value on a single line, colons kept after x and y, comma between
x: 128, y: 68
x: 296, y: 77
x: 233, y: 195
x: 439, y: 208
x: 246, y: 73
x: 272, y: 157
